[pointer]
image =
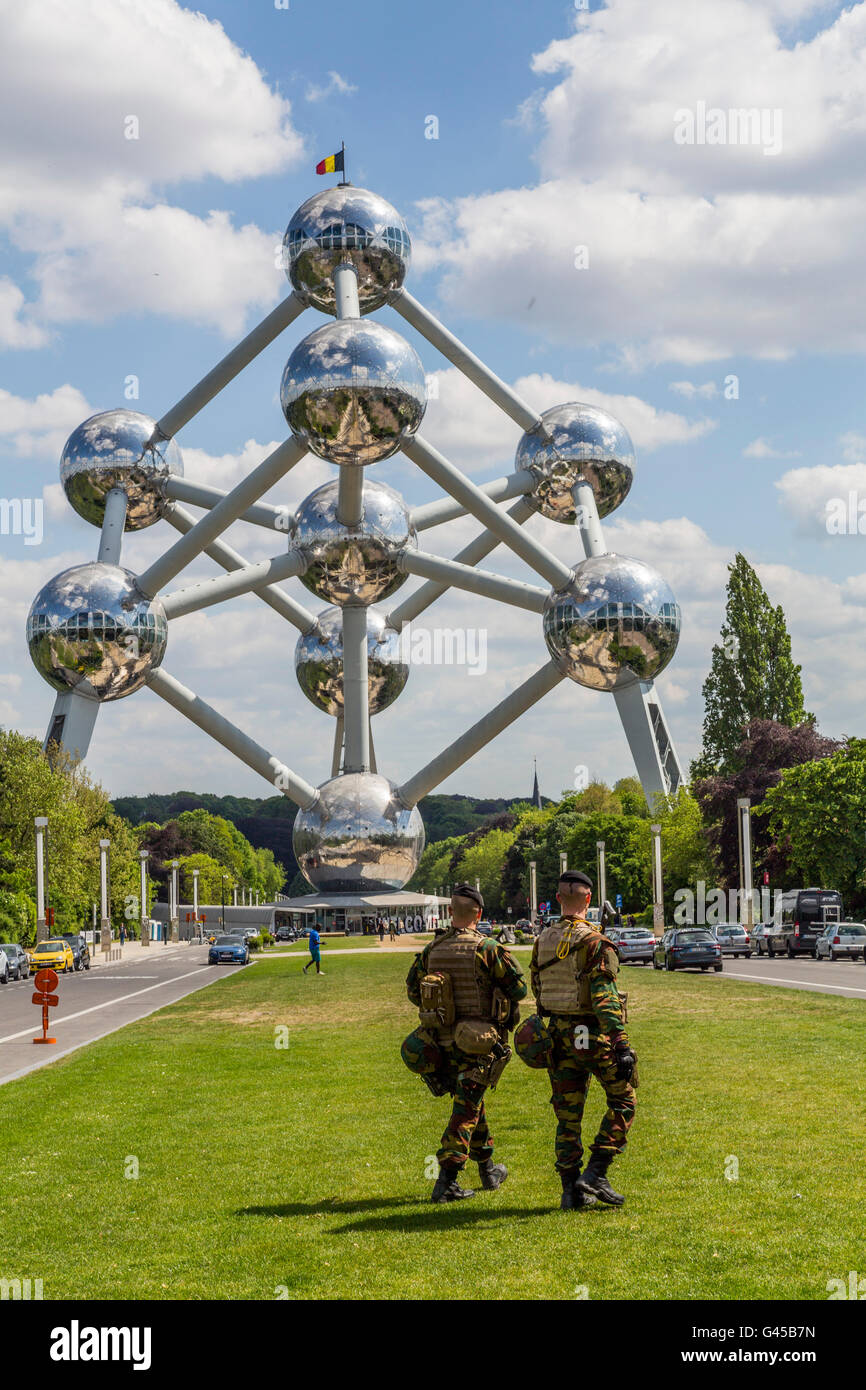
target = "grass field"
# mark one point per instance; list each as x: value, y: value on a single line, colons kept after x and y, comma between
x: 302, y: 1169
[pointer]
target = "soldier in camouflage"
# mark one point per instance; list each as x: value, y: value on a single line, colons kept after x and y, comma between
x: 485, y: 985
x: 579, y: 1032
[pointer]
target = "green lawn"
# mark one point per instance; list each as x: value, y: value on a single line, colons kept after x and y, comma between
x: 303, y: 1168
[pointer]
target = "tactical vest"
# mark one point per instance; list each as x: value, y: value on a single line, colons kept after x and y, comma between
x: 564, y: 988
x: 455, y: 955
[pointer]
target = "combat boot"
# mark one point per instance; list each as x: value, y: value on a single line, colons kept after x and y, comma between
x: 594, y: 1181
x: 493, y: 1175
x: 573, y: 1198
x: 447, y: 1188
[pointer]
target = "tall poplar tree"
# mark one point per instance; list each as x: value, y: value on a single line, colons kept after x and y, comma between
x: 752, y: 674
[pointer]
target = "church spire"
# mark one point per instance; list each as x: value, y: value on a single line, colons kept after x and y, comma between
x: 536, y: 794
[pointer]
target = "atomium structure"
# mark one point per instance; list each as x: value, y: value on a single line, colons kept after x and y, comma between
x: 353, y: 393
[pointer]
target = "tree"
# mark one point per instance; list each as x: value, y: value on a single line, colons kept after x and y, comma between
x: 752, y: 674
x: 686, y: 856
x: 817, y: 811
x: 760, y: 760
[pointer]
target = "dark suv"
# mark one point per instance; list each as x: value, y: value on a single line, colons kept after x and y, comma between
x: 687, y: 948
x: 19, y: 965
x: 80, y: 949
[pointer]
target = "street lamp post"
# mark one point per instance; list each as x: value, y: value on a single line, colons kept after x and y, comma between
x: 41, y: 823
x: 223, y: 901
x: 533, y: 890
x: 744, y: 842
x: 602, y: 876
x: 563, y: 861
x: 104, y: 903
x: 142, y: 894
x: 175, y: 894
x: 195, y: 874
x: 658, y: 886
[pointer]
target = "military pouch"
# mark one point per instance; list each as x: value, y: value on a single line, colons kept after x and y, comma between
x: 436, y: 1009
x: 500, y: 1007
x: 498, y: 1065
x: 475, y: 1037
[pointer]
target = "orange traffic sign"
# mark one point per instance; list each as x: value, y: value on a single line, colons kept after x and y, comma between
x: 46, y: 980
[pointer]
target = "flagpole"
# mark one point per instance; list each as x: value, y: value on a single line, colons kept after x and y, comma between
x: 344, y: 180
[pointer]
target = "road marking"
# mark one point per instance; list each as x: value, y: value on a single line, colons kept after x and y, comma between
x: 67, y: 1018
x: 780, y: 980
x: 128, y: 977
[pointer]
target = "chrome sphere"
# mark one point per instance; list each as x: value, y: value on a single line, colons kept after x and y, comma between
x: 353, y: 390
x: 116, y: 449
x: 319, y: 662
x: 616, y: 623
x: 352, y: 564
x: 358, y: 837
x: 346, y: 224
x: 92, y: 630
x: 576, y: 443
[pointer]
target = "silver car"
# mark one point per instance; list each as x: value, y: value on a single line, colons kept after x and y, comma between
x: 841, y: 939
x: 763, y: 937
x: 734, y: 941
x: 4, y: 968
x: 635, y: 944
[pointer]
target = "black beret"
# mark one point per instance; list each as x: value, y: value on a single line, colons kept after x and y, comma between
x: 464, y: 890
x: 575, y: 876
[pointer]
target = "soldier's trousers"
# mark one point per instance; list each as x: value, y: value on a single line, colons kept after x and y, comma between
x: 467, y: 1135
x: 570, y: 1075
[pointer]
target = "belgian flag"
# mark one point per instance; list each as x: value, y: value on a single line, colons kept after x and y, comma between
x: 334, y: 164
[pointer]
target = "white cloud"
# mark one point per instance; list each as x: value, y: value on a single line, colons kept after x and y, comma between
x: 88, y: 203
x: 810, y: 494
x: 690, y: 389
x: 39, y: 427
x: 15, y: 331
x: 693, y: 250
x: 335, y: 86
x: 763, y: 449
x: 476, y: 435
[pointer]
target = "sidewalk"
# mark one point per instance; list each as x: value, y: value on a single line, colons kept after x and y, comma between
x: 134, y: 951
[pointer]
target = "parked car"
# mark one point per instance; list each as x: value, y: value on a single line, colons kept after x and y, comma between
x: 80, y: 949
x: 761, y: 935
x: 635, y: 945
x: 4, y: 967
x: 228, y: 950
x: 244, y: 932
x: 841, y: 939
x: 284, y: 933
x: 17, y: 964
x: 687, y: 948
x: 55, y: 953
x: 734, y: 941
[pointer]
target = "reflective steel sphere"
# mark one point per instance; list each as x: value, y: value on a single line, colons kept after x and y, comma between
x: 576, y: 443
x: 616, y: 623
x: 353, y: 390
x: 352, y: 564
x: 319, y: 662
x: 115, y: 449
x: 91, y: 629
x: 346, y: 224
x: 358, y: 837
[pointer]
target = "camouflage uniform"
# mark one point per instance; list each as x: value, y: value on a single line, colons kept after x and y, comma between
x: 467, y: 1134
x: 596, y: 1026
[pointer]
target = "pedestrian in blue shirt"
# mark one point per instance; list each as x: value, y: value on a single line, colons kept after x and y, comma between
x: 315, y: 953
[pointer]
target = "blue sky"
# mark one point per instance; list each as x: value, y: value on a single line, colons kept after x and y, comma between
x: 151, y: 256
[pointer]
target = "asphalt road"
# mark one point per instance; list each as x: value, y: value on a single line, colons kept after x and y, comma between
x: 827, y: 977
x: 96, y: 1002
